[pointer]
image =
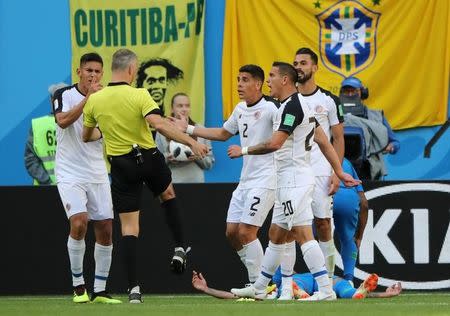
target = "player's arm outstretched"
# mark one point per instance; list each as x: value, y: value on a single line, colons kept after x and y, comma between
x: 211, y: 133
x: 165, y: 127
x: 199, y: 283
x: 393, y: 290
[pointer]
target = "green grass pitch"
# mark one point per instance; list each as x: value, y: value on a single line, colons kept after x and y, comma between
x: 408, y: 304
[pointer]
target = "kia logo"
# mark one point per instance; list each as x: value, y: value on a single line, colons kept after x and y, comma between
x: 407, y: 236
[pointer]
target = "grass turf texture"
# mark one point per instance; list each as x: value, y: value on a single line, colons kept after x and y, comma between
x: 408, y: 304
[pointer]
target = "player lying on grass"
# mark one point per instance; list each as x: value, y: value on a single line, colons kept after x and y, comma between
x: 304, y: 286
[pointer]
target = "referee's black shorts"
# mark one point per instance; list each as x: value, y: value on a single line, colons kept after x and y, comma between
x: 128, y: 178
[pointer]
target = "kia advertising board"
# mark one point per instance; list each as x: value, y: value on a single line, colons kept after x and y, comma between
x: 407, y: 236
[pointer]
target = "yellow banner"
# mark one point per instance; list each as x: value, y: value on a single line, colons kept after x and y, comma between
x: 399, y: 49
x: 166, y: 35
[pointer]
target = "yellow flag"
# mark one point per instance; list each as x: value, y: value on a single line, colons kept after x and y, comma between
x: 399, y: 49
x: 166, y: 35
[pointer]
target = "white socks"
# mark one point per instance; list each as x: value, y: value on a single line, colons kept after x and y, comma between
x: 329, y: 252
x: 102, y: 256
x: 242, y: 254
x: 315, y: 261
x: 270, y: 263
x: 76, y: 250
x: 287, y: 265
x: 253, y: 258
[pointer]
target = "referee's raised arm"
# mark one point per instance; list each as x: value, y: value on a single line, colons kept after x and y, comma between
x: 168, y: 129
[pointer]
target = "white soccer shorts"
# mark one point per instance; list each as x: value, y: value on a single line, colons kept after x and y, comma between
x: 322, y: 206
x: 250, y: 206
x: 93, y: 198
x: 293, y: 207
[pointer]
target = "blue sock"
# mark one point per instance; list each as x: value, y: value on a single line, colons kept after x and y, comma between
x: 344, y: 289
x: 349, y: 253
x: 276, y: 279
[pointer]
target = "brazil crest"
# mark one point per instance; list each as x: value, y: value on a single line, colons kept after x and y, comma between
x: 347, y: 37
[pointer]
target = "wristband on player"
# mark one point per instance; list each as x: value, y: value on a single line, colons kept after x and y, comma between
x: 190, y: 129
x: 244, y: 151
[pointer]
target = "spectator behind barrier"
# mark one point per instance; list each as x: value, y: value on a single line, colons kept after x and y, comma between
x: 379, y: 137
x: 190, y: 171
x: 40, y: 148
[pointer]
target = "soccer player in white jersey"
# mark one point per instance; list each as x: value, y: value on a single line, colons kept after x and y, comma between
x: 328, y: 112
x: 294, y: 132
x: 253, y: 119
x: 82, y: 181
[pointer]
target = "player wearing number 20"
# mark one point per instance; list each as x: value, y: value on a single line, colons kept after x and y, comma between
x: 253, y: 119
x: 295, y: 129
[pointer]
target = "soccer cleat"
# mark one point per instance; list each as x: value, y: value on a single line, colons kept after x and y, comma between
x: 298, y: 292
x: 272, y: 292
x: 104, y: 298
x: 179, y: 260
x: 369, y: 285
x: 320, y: 296
x: 80, y: 294
x: 250, y: 292
x: 135, y: 296
x: 286, y: 294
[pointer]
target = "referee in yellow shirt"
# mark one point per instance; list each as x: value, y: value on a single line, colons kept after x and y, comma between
x: 123, y: 114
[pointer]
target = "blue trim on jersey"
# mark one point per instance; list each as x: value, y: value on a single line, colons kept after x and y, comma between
x: 77, y: 275
x: 99, y: 277
x: 286, y: 275
x: 317, y: 274
x: 267, y: 275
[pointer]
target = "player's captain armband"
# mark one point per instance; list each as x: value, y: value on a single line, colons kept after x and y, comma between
x: 289, y: 120
x: 190, y: 129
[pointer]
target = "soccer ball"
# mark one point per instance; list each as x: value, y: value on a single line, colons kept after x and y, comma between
x: 180, y: 152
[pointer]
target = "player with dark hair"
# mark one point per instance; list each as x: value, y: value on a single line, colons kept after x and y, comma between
x: 253, y: 119
x: 304, y: 286
x: 82, y: 181
x: 291, y: 142
x: 327, y: 110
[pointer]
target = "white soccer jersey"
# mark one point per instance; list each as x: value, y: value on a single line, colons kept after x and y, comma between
x: 326, y: 109
x: 293, y: 158
x: 76, y: 161
x: 254, y: 123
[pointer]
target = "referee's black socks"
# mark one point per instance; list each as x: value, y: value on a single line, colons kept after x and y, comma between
x: 173, y: 219
x: 129, y: 251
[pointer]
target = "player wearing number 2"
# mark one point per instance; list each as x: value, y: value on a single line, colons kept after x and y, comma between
x: 294, y: 131
x: 253, y: 119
